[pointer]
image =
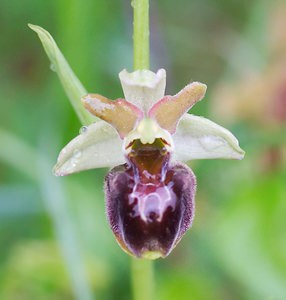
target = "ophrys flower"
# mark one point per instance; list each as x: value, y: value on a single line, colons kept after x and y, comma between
x: 149, y: 192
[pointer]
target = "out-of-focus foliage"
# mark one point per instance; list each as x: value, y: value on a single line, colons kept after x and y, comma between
x: 54, y: 240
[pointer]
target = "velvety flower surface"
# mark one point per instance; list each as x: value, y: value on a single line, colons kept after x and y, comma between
x: 145, y: 138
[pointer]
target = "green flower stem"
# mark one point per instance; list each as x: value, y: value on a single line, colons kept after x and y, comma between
x: 141, y: 34
x: 142, y: 272
x: 142, y: 279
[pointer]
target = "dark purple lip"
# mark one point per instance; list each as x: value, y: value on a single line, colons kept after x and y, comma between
x: 150, y: 201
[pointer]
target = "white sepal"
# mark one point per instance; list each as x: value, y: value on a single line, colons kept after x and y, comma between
x: 143, y: 88
x: 97, y: 146
x: 199, y: 138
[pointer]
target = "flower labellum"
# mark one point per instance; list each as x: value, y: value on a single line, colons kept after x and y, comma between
x: 150, y: 200
x: 145, y: 138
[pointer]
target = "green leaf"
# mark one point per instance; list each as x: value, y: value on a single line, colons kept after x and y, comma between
x: 71, y: 84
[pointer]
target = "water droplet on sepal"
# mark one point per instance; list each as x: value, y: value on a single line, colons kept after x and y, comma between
x: 75, y: 157
x: 77, y: 153
x: 83, y: 129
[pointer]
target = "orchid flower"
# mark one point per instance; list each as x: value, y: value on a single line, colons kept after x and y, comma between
x: 146, y: 138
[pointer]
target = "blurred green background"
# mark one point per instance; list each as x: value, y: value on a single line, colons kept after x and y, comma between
x: 54, y: 239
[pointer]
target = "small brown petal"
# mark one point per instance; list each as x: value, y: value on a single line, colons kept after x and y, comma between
x: 121, y: 114
x: 169, y: 110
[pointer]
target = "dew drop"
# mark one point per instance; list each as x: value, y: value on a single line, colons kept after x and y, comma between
x: 211, y: 143
x: 105, y: 129
x: 77, y: 154
x: 83, y: 129
x: 53, y: 68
